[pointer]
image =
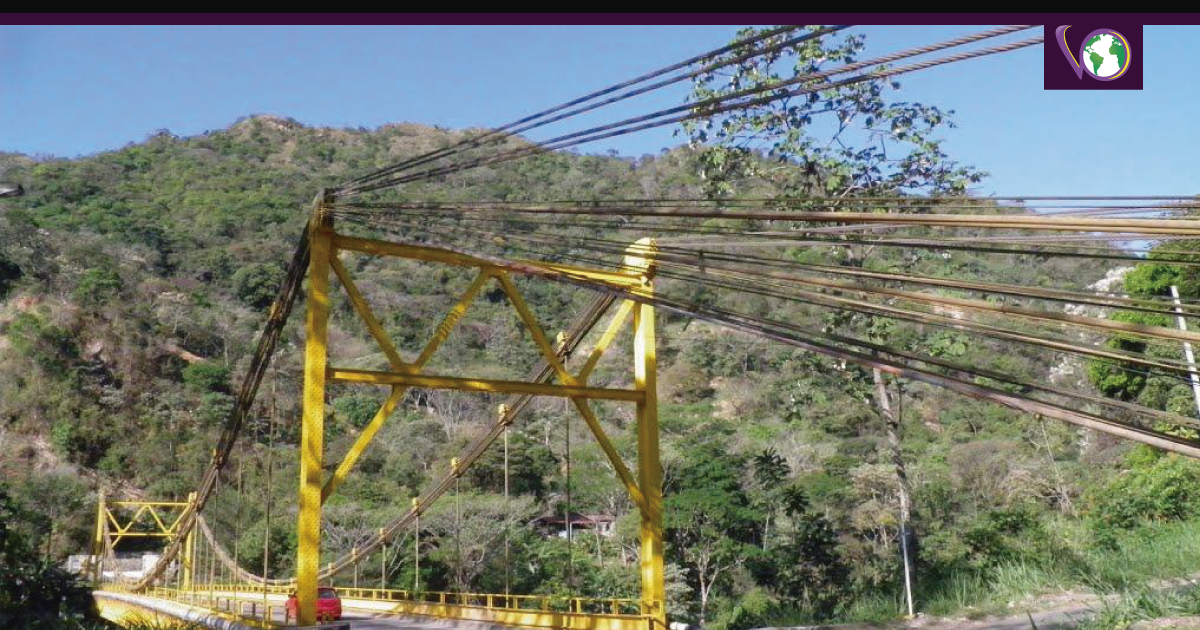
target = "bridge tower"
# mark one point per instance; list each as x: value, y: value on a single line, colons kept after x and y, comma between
x: 149, y: 519
x: 635, y: 278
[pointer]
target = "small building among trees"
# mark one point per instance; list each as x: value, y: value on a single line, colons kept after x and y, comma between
x: 556, y: 524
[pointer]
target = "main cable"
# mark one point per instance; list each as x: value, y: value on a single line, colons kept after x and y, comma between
x: 528, y: 123
x: 721, y: 104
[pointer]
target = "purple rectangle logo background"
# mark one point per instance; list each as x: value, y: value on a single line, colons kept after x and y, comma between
x: 1059, y: 71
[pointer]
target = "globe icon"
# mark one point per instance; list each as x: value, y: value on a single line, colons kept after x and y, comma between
x: 1105, y: 55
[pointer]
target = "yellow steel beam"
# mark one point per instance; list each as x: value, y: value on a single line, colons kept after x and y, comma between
x: 610, y: 333
x: 98, y: 538
x: 181, y: 504
x: 433, y: 254
x: 433, y: 381
x: 650, y: 473
x: 398, y: 391
x: 312, y: 432
x: 188, y: 564
x: 416, y: 252
x: 649, y: 468
x: 639, y: 258
x: 474, y: 612
x: 364, y: 311
x: 629, y: 279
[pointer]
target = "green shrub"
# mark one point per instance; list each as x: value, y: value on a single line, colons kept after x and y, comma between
x: 34, y: 593
x: 257, y: 283
x: 751, y: 611
x: 98, y: 286
x: 357, y: 409
x: 1156, y: 487
x: 51, y: 347
x: 206, y: 377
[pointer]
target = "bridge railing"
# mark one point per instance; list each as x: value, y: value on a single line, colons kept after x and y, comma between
x: 245, y: 606
x: 247, y: 602
x: 549, y: 603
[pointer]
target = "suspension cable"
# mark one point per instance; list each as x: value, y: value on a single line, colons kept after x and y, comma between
x: 583, y: 99
x: 721, y: 104
x: 935, y: 319
x: 512, y: 129
x: 1059, y: 295
x: 809, y: 334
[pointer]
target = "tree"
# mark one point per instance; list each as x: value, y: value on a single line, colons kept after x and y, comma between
x: 357, y: 408
x: 710, y: 524
x: 878, y: 145
x: 207, y: 377
x: 98, y: 286
x: 804, y: 565
x: 530, y: 464
x: 34, y: 592
x: 892, y: 419
x: 770, y: 476
x: 469, y: 539
x: 257, y: 283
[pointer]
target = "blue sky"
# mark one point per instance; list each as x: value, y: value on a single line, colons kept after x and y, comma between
x: 69, y: 91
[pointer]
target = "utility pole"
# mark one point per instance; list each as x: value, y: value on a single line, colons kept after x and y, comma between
x: 892, y: 419
x: 1187, y: 348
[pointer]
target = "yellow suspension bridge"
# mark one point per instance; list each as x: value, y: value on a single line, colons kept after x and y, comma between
x: 197, y: 579
x: 256, y: 601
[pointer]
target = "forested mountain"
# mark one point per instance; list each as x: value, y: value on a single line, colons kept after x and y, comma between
x: 133, y: 283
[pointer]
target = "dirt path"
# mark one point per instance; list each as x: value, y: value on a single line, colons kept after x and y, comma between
x: 1048, y: 612
x: 1066, y: 616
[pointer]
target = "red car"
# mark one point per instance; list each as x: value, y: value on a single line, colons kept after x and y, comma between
x: 329, y: 605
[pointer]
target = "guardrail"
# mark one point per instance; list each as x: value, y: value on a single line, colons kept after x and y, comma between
x: 244, y: 606
x: 544, y: 603
x: 245, y: 602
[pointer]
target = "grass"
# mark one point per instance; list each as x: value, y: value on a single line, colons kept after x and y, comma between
x: 976, y: 593
x: 876, y: 608
x: 1129, y: 576
x: 1166, y: 550
x: 1142, y: 604
x: 1152, y: 553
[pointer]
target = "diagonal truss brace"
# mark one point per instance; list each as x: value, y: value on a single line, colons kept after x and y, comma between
x: 161, y: 529
x: 414, y: 369
x: 581, y: 404
x: 406, y: 375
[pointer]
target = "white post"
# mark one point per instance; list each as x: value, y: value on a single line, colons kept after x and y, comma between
x: 907, y: 571
x: 1187, y: 348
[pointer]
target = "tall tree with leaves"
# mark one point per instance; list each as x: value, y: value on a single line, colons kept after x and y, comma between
x: 845, y: 140
x: 711, y: 525
x: 851, y: 140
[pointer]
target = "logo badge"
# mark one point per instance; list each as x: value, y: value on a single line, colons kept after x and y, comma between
x: 1109, y: 57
